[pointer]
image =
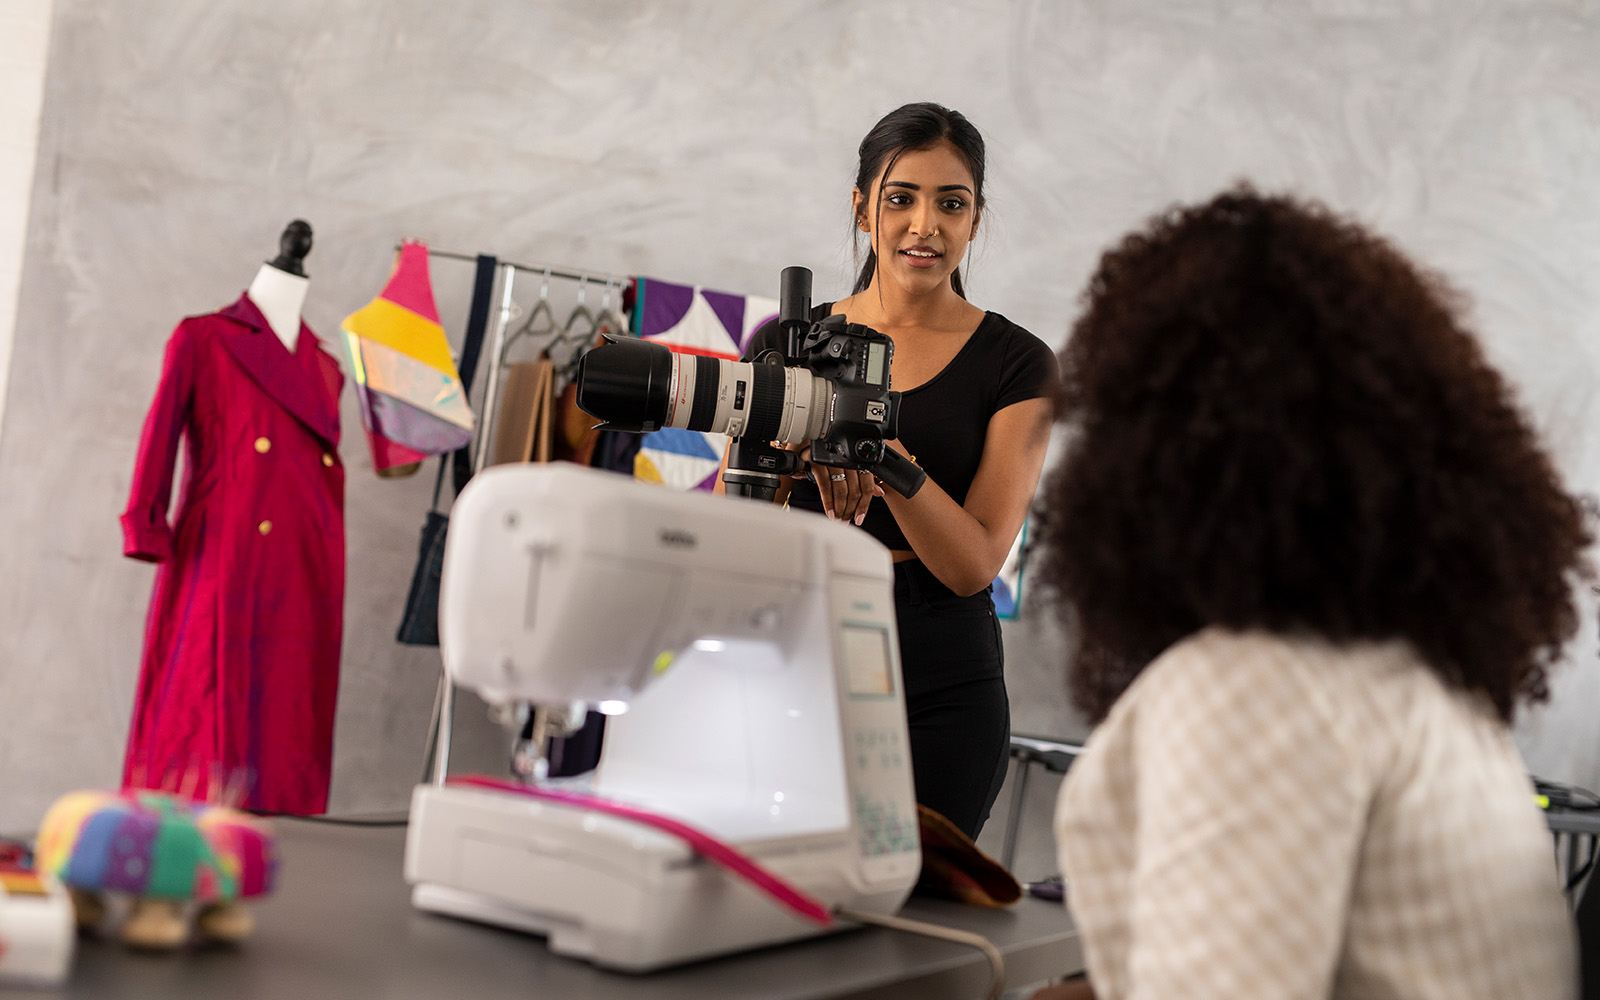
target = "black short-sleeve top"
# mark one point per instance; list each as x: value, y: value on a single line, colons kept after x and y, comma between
x: 943, y: 422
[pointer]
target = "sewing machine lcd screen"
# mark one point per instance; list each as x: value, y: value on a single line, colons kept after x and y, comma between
x: 866, y: 660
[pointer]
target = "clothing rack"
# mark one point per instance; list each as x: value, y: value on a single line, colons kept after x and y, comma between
x: 438, y: 763
x: 508, y: 278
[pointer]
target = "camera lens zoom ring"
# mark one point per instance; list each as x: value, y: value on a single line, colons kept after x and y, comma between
x: 767, y: 402
x: 704, y: 410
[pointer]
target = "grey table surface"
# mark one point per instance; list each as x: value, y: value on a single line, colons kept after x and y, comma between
x: 341, y: 925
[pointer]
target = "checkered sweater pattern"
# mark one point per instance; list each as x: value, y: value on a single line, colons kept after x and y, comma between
x: 1268, y: 817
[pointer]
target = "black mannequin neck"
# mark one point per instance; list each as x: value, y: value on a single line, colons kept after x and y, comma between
x: 289, y: 265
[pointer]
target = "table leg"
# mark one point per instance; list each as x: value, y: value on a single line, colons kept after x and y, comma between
x: 1019, y: 789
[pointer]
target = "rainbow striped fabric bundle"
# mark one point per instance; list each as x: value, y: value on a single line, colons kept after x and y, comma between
x: 412, y: 402
x: 156, y: 845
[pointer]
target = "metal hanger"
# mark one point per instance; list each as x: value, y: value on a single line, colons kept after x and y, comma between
x: 580, y: 324
x: 533, y: 327
x: 606, y: 321
x: 580, y: 314
x: 609, y: 320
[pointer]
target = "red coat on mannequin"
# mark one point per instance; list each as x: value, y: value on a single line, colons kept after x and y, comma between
x: 240, y: 671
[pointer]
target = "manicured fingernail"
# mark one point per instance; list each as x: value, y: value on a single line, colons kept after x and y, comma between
x: 861, y: 517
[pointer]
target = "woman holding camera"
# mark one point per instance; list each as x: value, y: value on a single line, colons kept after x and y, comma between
x: 974, y: 414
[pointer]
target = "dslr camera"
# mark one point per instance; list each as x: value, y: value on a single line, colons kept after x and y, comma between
x: 829, y: 386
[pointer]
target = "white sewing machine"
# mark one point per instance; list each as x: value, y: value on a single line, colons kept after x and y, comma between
x: 748, y: 659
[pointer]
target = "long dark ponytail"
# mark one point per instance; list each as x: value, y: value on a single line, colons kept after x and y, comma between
x: 912, y: 127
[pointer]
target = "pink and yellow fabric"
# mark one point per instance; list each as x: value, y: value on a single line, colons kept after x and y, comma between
x: 412, y: 402
x: 156, y: 845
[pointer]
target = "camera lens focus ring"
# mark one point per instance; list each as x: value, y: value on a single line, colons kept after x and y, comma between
x: 766, y: 402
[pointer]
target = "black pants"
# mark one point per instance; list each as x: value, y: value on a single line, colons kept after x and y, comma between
x: 956, y: 707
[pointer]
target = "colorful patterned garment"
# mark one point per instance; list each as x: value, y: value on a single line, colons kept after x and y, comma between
x: 155, y: 845
x: 412, y: 403
x: 691, y: 320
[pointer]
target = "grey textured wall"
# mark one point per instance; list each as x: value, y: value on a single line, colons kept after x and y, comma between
x: 713, y: 143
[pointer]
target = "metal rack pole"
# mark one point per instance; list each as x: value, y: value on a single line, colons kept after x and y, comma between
x: 445, y: 697
x: 599, y: 277
x: 491, y: 391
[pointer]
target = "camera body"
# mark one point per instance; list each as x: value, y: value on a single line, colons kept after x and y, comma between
x: 863, y: 412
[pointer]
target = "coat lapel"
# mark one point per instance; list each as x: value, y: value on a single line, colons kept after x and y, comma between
x: 308, y: 391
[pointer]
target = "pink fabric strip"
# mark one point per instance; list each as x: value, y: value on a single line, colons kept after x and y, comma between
x: 706, y: 845
x: 409, y: 286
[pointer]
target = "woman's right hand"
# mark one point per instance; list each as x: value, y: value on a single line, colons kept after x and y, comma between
x: 846, y: 493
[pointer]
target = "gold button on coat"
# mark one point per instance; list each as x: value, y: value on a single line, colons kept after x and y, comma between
x: 264, y: 527
x: 263, y: 445
x: 327, y: 459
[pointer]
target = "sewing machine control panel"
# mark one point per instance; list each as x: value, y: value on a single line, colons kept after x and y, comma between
x: 876, y: 749
x: 878, y: 761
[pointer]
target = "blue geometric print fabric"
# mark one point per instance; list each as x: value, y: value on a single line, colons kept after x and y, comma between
x: 697, y: 321
x: 692, y: 444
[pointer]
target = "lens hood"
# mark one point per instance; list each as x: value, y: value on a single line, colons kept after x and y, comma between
x: 626, y: 384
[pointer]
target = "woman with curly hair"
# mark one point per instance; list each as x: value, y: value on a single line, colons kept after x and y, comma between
x: 1313, y: 557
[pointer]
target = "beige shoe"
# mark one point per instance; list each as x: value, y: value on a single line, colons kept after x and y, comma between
x: 155, y: 924
x: 88, y: 908
x: 225, y: 922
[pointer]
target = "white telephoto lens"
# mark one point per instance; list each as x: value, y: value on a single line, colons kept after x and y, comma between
x: 788, y: 405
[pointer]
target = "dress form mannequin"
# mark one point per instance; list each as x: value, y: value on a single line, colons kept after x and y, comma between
x: 243, y: 696
x: 279, y: 288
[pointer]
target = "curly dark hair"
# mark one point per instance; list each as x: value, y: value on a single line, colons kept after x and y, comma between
x: 1277, y: 421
